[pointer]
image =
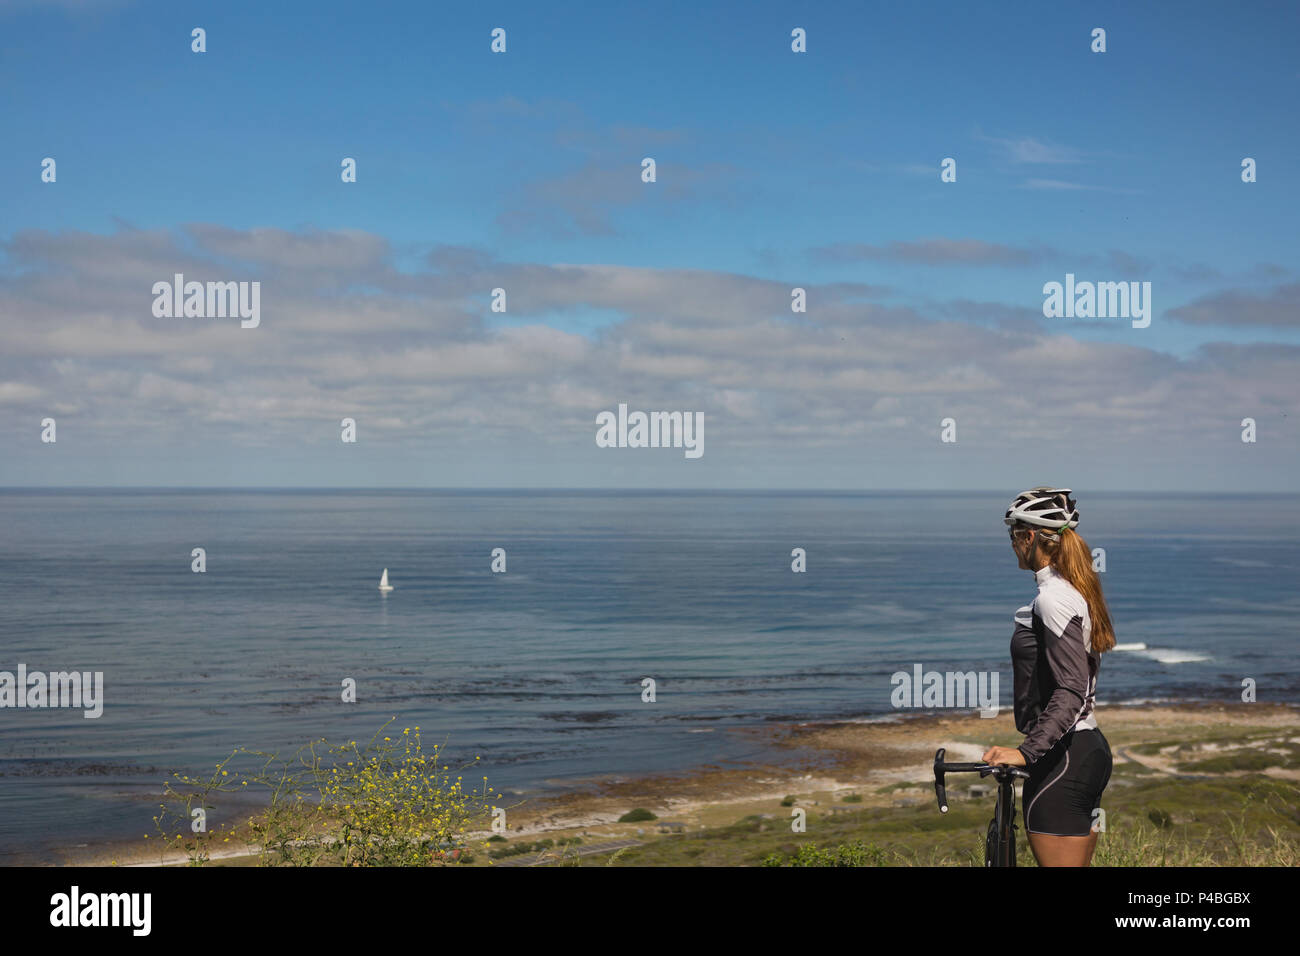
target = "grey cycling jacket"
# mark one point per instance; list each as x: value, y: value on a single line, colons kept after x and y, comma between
x: 1055, y: 669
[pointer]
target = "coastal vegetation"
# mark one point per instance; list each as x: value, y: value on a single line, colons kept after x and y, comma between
x: 1224, y: 790
x: 388, y: 802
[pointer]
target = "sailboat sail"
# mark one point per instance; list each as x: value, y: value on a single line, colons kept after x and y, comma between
x: 383, y: 582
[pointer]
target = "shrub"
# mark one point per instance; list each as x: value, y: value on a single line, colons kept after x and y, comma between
x: 637, y: 816
x: 851, y: 854
x: 388, y: 803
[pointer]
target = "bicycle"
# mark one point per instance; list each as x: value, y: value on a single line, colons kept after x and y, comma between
x: 1000, y: 844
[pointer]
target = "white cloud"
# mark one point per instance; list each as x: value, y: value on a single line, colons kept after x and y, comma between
x: 412, y: 354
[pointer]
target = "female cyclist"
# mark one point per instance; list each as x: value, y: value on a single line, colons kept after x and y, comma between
x: 1055, y: 653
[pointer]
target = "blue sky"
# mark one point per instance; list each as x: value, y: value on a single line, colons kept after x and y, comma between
x: 775, y: 169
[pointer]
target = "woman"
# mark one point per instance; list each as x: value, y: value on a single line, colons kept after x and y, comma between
x: 1055, y: 653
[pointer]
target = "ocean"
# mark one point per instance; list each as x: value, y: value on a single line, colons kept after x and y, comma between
x: 538, y: 671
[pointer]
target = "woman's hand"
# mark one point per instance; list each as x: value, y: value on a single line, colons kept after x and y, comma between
x: 1007, y: 755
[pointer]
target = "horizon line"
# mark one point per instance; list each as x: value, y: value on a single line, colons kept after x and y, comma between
x: 503, y: 489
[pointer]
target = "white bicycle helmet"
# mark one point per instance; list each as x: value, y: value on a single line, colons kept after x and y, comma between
x: 1044, y: 507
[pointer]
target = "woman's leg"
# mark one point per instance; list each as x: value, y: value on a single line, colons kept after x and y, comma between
x: 1062, y: 797
x: 1063, y: 850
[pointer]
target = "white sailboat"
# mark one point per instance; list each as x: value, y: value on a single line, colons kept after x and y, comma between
x: 383, y: 582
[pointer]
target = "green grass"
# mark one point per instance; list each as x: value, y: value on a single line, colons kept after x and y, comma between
x: 895, y: 787
x: 1224, y: 736
x: 1233, y: 821
x: 1253, y: 759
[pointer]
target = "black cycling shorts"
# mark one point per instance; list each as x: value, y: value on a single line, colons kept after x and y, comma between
x: 1066, y: 784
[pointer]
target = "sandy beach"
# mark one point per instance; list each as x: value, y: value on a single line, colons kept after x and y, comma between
x: 828, y: 760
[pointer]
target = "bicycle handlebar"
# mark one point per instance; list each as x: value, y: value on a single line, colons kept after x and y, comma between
x: 1001, y: 772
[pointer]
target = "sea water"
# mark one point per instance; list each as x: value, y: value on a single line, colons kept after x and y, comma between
x: 539, y: 670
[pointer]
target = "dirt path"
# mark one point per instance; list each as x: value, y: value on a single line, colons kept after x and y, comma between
x: 549, y: 858
x: 1158, y: 765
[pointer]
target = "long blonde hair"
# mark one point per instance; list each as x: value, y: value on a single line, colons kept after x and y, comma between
x: 1072, y: 559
